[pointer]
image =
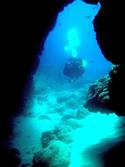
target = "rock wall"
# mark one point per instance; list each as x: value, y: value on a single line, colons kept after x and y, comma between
x: 108, y: 93
x: 109, y: 29
x: 25, y: 27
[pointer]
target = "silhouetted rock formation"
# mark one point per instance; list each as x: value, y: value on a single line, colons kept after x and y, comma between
x: 9, y: 157
x: 115, y: 156
x: 91, y: 1
x: 109, y: 33
x: 26, y: 27
x: 98, y: 95
x: 108, y: 92
x: 109, y: 29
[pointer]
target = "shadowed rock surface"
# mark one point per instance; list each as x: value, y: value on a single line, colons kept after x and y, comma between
x: 98, y: 95
x: 108, y: 92
x: 10, y: 157
x: 26, y: 27
x: 109, y: 28
x: 55, y: 155
x: 115, y: 156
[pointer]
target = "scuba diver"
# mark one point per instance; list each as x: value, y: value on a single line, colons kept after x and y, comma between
x: 74, y: 68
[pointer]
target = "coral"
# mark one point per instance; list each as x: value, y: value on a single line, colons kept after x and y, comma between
x: 61, y: 133
x: 108, y: 92
x: 47, y: 137
x: 98, y: 94
x: 64, y: 134
x: 55, y: 155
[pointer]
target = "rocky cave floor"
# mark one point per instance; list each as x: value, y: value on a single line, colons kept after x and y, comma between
x: 56, y: 130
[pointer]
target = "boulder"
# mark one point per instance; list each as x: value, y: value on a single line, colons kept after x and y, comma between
x: 47, y: 137
x: 64, y: 134
x: 57, y: 154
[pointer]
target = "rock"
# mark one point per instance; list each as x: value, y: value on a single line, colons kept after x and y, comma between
x: 38, y: 160
x: 82, y: 113
x: 114, y: 156
x: 72, y: 103
x: 104, y: 96
x: 63, y: 98
x: 107, y: 93
x: 25, y: 165
x: 47, y: 137
x: 73, y: 96
x: 60, y: 109
x: 10, y: 157
x: 64, y: 134
x: 109, y: 31
x: 57, y: 154
x: 66, y: 117
x: 91, y: 1
x: 98, y: 94
x: 74, y: 123
x: 41, y: 98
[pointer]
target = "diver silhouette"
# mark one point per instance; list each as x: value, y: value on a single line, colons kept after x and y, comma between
x: 74, y: 68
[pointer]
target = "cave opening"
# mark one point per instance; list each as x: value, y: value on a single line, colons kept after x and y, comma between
x: 73, y: 37
x: 55, y: 121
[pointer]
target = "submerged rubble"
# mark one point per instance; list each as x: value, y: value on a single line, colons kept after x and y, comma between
x: 56, y: 154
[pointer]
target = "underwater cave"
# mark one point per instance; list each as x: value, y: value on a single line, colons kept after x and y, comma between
x: 68, y: 117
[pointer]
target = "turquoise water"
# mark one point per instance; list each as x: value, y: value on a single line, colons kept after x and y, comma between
x: 56, y: 102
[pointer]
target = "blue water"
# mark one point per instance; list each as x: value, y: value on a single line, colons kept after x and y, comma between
x: 78, y: 17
